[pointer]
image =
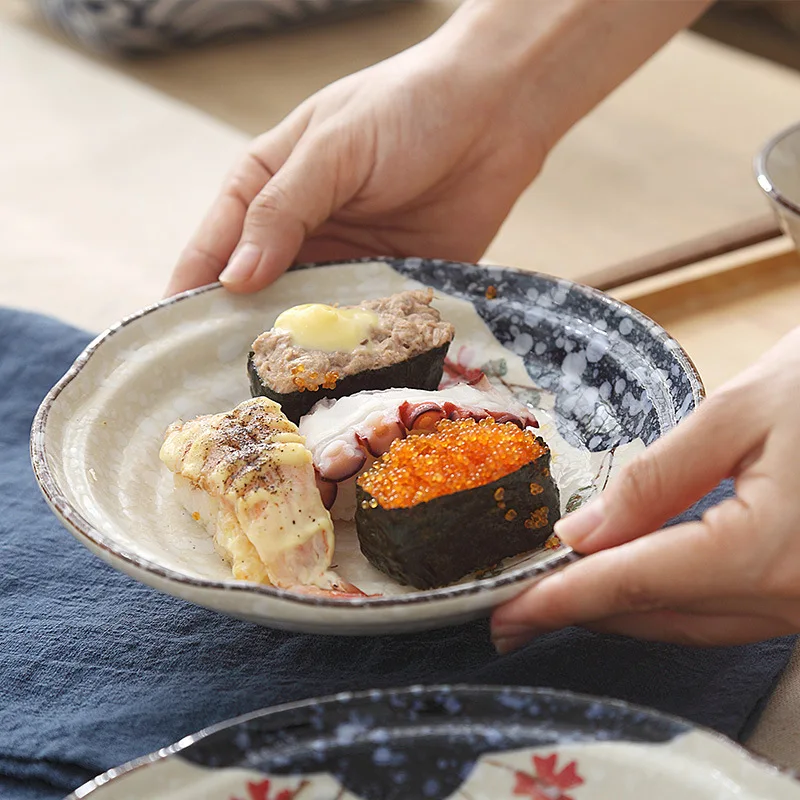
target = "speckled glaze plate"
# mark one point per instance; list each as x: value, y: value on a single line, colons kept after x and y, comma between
x: 454, y: 743
x: 607, y: 380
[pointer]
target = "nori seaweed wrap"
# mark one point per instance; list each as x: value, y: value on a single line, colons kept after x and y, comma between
x: 421, y: 372
x: 442, y: 505
x: 330, y: 352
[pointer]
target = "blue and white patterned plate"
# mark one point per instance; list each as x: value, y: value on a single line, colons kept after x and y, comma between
x: 608, y: 379
x: 449, y: 743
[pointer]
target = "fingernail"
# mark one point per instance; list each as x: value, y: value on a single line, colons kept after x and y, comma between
x: 575, y: 528
x: 512, y: 640
x: 506, y: 638
x: 503, y: 646
x: 242, y: 265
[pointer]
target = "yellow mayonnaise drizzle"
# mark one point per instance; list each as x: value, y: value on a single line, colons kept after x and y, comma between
x: 316, y: 326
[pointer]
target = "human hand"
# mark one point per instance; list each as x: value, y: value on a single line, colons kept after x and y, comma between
x: 423, y: 154
x: 731, y: 577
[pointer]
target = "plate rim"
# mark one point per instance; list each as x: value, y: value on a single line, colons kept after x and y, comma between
x: 82, y: 529
x: 762, y: 174
x: 742, y: 752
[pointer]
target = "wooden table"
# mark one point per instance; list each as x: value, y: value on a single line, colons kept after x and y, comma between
x: 665, y: 159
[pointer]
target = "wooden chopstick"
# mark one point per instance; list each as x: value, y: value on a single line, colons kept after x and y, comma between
x: 745, y: 234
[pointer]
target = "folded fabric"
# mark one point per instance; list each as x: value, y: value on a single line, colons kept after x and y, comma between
x: 150, y: 26
x: 96, y: 669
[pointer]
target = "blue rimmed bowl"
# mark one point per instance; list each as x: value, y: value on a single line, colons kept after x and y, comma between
x: 449, y: 743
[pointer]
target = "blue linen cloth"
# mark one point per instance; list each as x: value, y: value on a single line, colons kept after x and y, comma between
x: 96, y: 669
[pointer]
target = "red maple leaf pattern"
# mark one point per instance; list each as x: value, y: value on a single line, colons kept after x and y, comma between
x: 546, y: 783
x: 260, y: 791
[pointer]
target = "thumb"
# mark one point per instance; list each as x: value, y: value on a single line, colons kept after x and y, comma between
x: 666, y: 479
x: 302, y: 194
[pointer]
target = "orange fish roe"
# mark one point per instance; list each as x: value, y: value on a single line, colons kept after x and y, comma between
x: 329, y: 381
x: 312, y: 381
x: 460, y: 454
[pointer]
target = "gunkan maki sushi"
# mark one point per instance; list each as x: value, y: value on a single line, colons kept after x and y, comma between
x: 439, y: 506
x: 315, y: 351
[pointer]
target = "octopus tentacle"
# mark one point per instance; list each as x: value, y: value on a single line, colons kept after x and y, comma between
x: 344, y: 435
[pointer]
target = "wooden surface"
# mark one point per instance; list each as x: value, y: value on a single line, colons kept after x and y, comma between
x: 102, y: 180
x: 666, y: 159
x: 737, y: 237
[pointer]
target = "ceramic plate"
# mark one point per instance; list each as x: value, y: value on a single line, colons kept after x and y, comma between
x: 459, y: 743
x: 605, y: 381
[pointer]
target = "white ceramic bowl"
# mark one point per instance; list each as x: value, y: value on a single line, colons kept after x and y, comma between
x: 777, y: 169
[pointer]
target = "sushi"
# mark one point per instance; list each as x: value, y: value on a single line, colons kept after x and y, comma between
x: 345, y: 436
x: 315, y: 351
x: 460, y: 499
x: 248, y: 478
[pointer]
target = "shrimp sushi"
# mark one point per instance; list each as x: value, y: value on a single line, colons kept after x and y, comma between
x: 442, y: 505
x: 247, y: 476
x: 314, y: 351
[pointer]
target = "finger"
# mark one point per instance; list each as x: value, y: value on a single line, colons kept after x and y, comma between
x: 667, y: 569
x: 304, y: 192
x: 667, y: 478
x: 696, y: 630
x: 208, y: 252
x: 693, y: 630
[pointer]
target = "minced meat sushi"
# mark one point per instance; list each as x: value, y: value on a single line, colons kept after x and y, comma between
x: 439, y: 506
x: 315, y: 351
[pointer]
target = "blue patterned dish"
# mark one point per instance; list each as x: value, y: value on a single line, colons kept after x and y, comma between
x: 454, y: 743
x: 607, y: 374
x: 148, y: 26
x: 615, y: 373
